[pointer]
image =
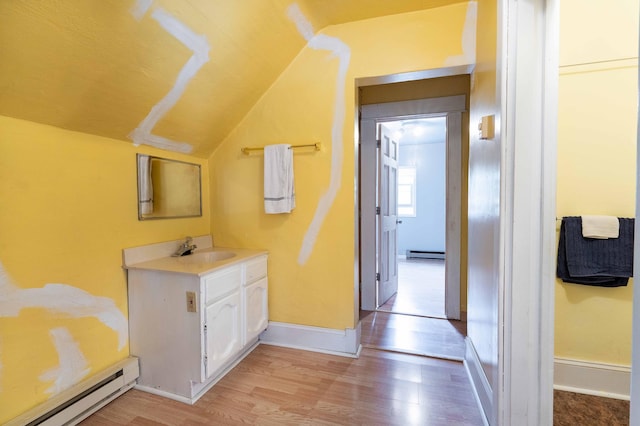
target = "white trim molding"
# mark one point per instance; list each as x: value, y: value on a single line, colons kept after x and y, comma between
x: 370, y: 115
x: 592, y: 378
x: 634, y: 416
x: 481, y: 386
x: 316, y: 339
x: 529, y: 75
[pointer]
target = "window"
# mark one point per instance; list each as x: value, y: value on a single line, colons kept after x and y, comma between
x: 407, y: 191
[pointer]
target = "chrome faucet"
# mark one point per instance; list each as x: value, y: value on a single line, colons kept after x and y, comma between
x: 185, y: 248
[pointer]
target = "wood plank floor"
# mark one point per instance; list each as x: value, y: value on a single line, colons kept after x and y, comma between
x: 420, y: 288
x: 281, y: 386
x: 434, y: 337
x: 413, y: 320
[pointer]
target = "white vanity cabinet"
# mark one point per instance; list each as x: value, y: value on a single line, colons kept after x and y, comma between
x: 189, y: 329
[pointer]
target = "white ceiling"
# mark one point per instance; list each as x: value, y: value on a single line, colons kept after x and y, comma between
x: 419, y: 131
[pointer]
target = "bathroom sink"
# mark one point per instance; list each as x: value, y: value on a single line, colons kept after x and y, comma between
x: 206, y: 257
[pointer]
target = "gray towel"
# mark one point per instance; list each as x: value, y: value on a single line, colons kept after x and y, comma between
x: 606, y: 263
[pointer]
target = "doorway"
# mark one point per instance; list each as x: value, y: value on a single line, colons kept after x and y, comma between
x: 421, y: 216
x: 378, y: 207
x: 444, y: 99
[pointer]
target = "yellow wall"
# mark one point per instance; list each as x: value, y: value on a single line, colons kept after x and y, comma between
x: 68, y: 207
x: 299, y: 108
x: 596, y: 163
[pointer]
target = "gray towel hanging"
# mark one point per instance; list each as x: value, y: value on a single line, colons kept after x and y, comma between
x: 599, y: 262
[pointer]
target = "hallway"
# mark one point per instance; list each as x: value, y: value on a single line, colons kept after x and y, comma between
x: 420, y: 288
x: 413, y: 321
x: 434, y: 337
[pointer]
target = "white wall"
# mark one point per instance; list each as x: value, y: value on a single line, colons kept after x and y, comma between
x: 425, y: 231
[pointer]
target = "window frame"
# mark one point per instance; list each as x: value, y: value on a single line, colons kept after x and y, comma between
x: 412, y: 206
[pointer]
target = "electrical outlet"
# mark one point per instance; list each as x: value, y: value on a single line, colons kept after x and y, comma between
x: 191, y: 302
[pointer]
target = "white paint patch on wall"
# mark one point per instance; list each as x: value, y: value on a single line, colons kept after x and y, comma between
x: 140, y: 8
x: 468, y: 38
x: 302, y: 24
x: 200, y: 47
x: 73, y: 366
x: 63, y: 300
x: 343, y: 52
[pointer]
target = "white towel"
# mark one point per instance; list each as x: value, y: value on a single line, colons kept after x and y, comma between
x: 600, y: 227
x: 279, y: 194
x: 145, y: 185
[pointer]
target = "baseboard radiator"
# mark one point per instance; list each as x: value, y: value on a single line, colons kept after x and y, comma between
x: 80, y: 401
x: 421, y: 254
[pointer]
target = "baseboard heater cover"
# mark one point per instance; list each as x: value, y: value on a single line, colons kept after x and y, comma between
x: 423, y: 254
x: 83, y: 399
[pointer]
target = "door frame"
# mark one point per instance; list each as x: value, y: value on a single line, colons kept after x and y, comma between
x: 527, y: 79
x: 370, y: 115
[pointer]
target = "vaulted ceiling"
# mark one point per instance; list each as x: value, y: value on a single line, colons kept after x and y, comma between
x: 179, y: 73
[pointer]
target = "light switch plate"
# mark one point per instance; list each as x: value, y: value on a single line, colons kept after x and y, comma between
x: 191, y: 302
x: 486, y: 127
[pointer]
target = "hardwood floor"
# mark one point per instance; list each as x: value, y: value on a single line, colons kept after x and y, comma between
x: 420, y: 288
x: 280, y: 386
x: 413, y: 320
x: 434, y: 337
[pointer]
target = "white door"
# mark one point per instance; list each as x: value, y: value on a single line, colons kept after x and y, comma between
x: 388, y: 215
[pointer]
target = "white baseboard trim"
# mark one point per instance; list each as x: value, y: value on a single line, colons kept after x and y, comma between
x: 326, y: 340
x: 164, y: 394
x: 479, y: 382
x: 592, y: 378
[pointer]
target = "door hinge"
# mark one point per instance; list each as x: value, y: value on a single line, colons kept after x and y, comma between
x: 378, y: 143
x: 377, y: 276
x: 377, y: 210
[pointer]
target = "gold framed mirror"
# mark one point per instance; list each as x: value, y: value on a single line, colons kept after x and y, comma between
x: 167, y: 188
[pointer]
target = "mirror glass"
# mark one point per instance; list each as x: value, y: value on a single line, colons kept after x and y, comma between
x: 167, y: 188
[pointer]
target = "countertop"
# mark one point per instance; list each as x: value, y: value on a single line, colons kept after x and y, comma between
x: 190, y: 265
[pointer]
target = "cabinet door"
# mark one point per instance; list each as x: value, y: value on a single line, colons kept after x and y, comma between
x: 223, y: 332
x: 256, y: 309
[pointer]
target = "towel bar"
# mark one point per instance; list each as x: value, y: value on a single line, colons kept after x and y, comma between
x: 317, y: 146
